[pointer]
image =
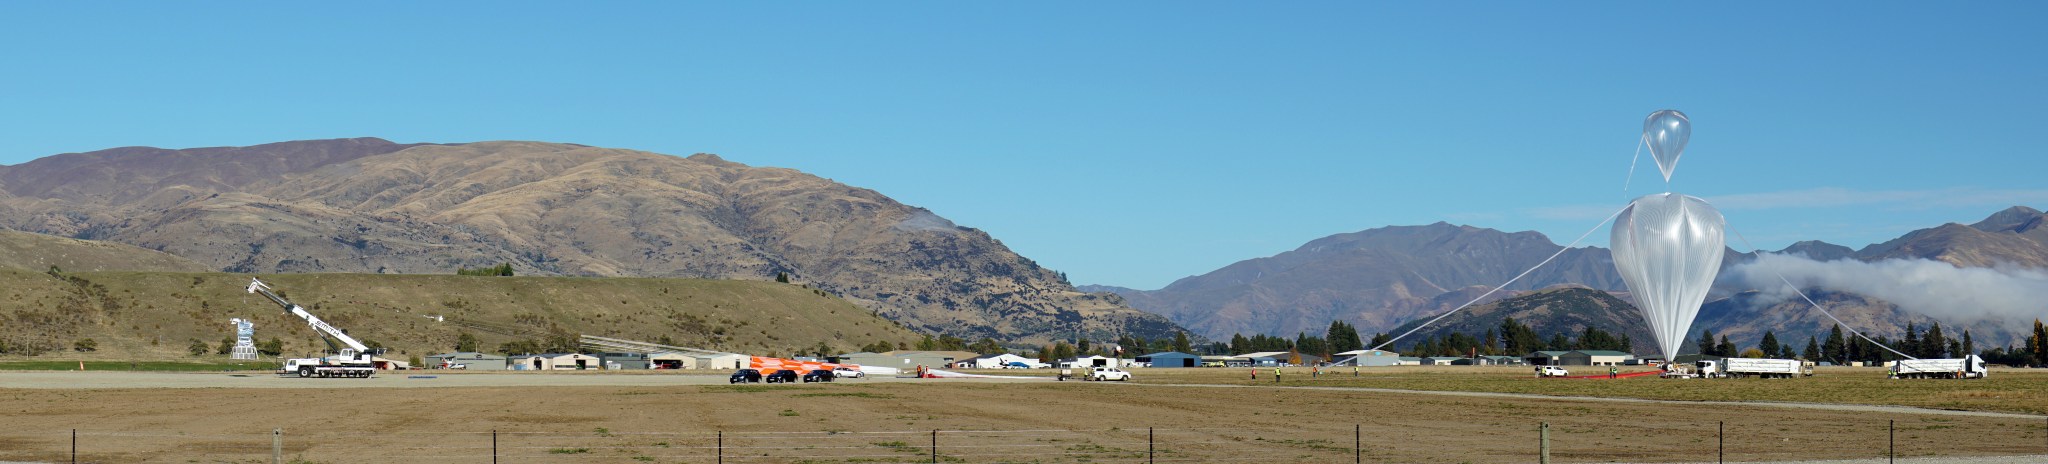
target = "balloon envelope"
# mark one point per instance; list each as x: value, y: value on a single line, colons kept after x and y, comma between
x: 1666, y: 131
x: 1668, y: 248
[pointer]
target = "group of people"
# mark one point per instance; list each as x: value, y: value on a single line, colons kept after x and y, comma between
x: 1313, y: 372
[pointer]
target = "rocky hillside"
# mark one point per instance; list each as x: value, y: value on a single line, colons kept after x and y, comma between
x: 372, y: 206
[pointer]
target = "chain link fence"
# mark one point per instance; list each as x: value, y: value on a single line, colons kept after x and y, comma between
x: 1882, y: 440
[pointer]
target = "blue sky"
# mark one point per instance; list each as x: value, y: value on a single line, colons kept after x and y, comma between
x: 1131, y: 143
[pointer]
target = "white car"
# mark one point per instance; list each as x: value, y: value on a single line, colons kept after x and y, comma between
x: 845, y: 373
x: 1108, y: 373
x: 1551, y: 371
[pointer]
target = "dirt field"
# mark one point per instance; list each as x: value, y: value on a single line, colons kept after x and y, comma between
x: 607, y: 417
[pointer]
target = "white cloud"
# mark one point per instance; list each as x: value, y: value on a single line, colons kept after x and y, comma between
x: 2007, y: 295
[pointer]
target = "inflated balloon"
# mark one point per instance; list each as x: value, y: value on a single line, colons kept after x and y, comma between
x: 1668, y: 248
x: 1666, y: 131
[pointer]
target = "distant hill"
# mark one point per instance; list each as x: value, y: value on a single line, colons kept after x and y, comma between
x: 37, y: 252
x: 1376, y: 279
x: 371, y: 206
x: 156, y: 315
x: 1568, y: 310
x: 1380, y: 278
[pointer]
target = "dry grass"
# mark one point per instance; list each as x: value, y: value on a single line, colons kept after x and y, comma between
x: 2006, y: 390
x: 154, y: 316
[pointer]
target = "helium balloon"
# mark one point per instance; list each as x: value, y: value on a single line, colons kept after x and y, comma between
x: 1667, y: 131
x: 1668, y: 248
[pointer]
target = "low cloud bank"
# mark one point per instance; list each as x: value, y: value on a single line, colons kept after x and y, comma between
x: 2003, y: 295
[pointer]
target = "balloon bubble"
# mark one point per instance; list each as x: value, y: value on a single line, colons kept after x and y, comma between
x: 1668, y: 248
x: 1666, y: 131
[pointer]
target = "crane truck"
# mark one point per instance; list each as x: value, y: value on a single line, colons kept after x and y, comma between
x: 1967, y: 367
x: 1754, y: 367
x: 353, y: 361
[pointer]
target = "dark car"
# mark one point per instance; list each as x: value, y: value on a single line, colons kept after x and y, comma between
x: 818, y: 375
x: 782, y: 376
x: 745, y: 375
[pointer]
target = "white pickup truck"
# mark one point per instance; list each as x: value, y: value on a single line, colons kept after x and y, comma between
x: 1108, y: 373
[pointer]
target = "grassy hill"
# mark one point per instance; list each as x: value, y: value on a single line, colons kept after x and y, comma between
x: 157, y: 315
x: 37, y: 252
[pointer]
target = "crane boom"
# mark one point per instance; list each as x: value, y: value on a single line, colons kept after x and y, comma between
x: 257, y: 286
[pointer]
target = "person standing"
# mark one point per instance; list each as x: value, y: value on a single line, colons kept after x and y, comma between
x: 1613, y: 371
x: 1276, y: 374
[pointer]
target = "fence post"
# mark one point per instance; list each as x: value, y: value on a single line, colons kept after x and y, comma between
x: 1721, y: 442
x: 1891, y: 447
x: 1148, y: 445
x: 74, y: 446
x: 1357, y: 438
x: 1543, y: 435
x: 494, y: 446
x: 935, y: 446
x: 277, y: 446
x: 721, y: 447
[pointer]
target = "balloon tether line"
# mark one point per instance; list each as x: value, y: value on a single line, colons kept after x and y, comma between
x: 1560, y: 251
x: 1758, y: 253
x: 1625, y: 182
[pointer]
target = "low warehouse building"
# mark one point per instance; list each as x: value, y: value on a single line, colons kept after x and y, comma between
x: 1594, y: 358
x: 670, y: 360
x: 467, y: 359
x: 1171, y: 359
x: 625, y: 361
x: 721, y: 360
x: 1544, y: 358
x: 1367, y: 358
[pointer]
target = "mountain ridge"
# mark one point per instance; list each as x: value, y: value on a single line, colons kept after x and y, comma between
x: 373, y: 206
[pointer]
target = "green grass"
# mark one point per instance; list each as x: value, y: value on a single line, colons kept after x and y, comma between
x: 147, y: 366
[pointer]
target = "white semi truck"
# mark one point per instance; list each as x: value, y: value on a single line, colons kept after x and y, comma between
x: 1754, y: 367
x: 351, y: 362
x: 1967, y: 367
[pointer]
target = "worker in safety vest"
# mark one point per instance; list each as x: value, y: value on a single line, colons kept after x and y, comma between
x: 1276, y: 374
x: 1354, y: 371
x: 1613, y: 371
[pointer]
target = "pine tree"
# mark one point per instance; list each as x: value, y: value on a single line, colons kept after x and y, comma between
x: 1934, y: 345
x: 1969, y: 346
x: 1769, y: 345
x: 1706, y: 343
x: 1180, y: 342
x: 1812, y: 349
x: 2040, y: 344
x: 1726, y: 348
x: 1836, y: 348
x: 1912, y: 343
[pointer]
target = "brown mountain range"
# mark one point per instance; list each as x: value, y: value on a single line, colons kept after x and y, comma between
x: 1381, y: 278
x: 372, y: 206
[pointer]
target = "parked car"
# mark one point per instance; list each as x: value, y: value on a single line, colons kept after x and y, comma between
x: 1551, y: 371
x: 745, y: 375
x: 818, y: 375
x: 1108, y: 373
x: 781, y: 376
x: 848, y: 372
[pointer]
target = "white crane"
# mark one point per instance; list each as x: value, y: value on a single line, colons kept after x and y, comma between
x: 353, y: 361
